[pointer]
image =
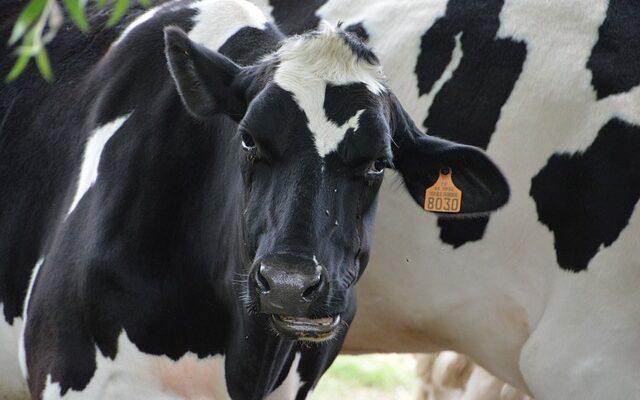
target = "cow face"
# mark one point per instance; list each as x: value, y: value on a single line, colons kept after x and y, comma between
x: 316, y: 129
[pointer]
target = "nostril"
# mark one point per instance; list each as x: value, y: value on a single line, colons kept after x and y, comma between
x: 314, y: 286
x: 311, y: 291
x: 261, y: 281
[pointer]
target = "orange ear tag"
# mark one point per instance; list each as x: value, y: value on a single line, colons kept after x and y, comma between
x: 443, y: 196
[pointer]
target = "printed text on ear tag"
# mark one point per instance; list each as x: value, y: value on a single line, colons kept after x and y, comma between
x: 443, y: 196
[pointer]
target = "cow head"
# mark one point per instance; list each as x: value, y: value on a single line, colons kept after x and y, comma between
x: 316, y: 129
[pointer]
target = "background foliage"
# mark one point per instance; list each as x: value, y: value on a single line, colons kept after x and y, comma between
x: 39, y: 22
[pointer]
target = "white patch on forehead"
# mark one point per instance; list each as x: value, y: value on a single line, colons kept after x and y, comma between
x: 307, y: 64
x: 91, y: 159
x: 291, y: 384
x: 218, y: 20
x: 136, y: 375
x: 326, y: 134
x: 22, y: 357
x: 325, y: 56
x: 12, y: 384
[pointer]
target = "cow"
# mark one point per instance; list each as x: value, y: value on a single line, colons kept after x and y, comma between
x: 448, y: 376
x: 543, y: 294
x: 186, y: 208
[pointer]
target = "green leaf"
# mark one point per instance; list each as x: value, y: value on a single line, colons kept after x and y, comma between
x: 119, y: 10
x: 76, y: 10
x: 30, y: 13
x: 18, y: 67
x: 101, y: 4
x: 42, y: 61
x: 145, y: 3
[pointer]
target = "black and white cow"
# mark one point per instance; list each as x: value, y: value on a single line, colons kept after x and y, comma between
x: 185, y: 215
x: 545, y: 293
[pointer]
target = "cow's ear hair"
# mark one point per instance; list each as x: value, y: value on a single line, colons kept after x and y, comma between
x: 421, y: 158
x: 208, y: 82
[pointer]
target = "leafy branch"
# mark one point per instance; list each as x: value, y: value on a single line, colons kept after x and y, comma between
x: 39, y: 22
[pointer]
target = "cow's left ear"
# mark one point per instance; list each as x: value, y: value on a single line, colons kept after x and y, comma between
x: 423, y: 160
x: 208, y: 82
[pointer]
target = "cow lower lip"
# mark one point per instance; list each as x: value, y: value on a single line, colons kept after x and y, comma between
x: 301, y: 328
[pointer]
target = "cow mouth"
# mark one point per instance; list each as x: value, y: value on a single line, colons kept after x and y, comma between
x: 311, y: 329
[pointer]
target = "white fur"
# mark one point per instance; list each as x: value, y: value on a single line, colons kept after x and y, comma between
x: 21, y: 351
x: 410, y: 19
x: 215, y: 22
x: 218, y: 20
x: 291, y: 384
x: 146, y: 16
x: 328, y: 135
x: 12, y: 384
x: 324, y: 56
x: 504, y: 300
x: 91, y: 159
x: 266, y: 8
x: 134, y: 375
x: 307, y: 64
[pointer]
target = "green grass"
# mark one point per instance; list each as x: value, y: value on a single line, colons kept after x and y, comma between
x: 389, y: 376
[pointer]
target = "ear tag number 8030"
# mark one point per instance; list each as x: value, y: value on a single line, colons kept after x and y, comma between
x: 443, y: 196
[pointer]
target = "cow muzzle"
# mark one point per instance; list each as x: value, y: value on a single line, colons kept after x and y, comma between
x: 288, y: 288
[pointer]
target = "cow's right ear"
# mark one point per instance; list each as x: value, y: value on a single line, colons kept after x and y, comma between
x: 208, y: 82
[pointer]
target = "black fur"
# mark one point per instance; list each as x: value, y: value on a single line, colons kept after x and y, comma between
x: 614, y: 59
x: 468, y: 105
x: 356, y: 43
x: 358, y: 30
x: 341, y: 102
x: 586, y: 199
x: 295, y: 17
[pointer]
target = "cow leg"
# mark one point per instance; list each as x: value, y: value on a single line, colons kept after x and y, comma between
x: 448, y: 375
x: 483, y: 386
x: 444, y: 375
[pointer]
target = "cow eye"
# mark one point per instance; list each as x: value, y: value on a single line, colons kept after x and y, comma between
x: 377, y: 167
x: 247, y: 141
